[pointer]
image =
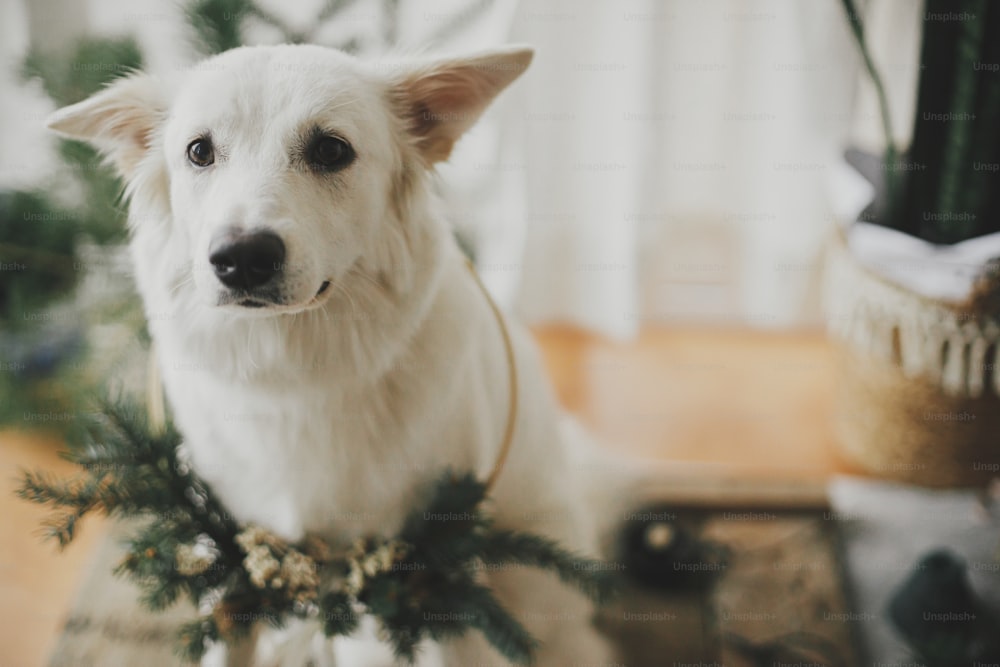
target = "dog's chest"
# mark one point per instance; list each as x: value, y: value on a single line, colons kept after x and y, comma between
x: 307, y: 458
x: 303, y: 459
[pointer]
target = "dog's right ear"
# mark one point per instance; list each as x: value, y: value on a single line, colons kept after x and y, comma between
x: 119, y: 121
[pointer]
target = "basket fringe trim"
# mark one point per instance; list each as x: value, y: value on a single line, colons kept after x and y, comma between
x: 952, y: 346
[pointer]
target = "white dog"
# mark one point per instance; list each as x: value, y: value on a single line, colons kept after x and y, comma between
x: 324, y: 348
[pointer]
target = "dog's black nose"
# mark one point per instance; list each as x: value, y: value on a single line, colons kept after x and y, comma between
x: 248, y: 260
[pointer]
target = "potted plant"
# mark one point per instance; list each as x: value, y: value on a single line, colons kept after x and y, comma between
x: 912, y: 291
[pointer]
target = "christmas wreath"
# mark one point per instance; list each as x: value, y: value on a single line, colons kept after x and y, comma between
x: 422, y: 583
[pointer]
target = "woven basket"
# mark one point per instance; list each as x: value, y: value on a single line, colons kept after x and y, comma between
x: 918, y: 396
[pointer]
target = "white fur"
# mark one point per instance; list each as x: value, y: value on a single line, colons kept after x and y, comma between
x: 332, y: 415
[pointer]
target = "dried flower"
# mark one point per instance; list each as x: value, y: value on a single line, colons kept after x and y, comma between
x: 365, y: 563
x: 261, y: 564
x: 253, y: 536
x: 193, y: 559
x: 299, y: 570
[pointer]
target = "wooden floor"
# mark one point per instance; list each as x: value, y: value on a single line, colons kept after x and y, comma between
x: 37, y: 581
x: 754, y: 404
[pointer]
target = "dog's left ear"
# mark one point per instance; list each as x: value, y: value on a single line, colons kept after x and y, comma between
x: 119, y: 120
x: 442, y: 99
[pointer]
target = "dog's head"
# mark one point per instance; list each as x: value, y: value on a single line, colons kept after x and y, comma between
x: 283, y: 169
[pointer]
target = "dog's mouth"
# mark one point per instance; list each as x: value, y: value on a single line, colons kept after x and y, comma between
x: 319, y: 296
x: 251, y: 303
x: 256, y: 302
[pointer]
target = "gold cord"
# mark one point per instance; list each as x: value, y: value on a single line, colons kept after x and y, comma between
x: 155, y: 404
x: 508, y: 435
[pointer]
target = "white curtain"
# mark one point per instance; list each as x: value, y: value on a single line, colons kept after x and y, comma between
x: 678, y: 155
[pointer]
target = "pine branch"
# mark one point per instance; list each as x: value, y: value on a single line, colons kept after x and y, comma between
x: 258, y: 577
x: 477, y: 606
x: 90, y: 65
x: 337, y: 614
x: 454, y: 511
x: 46, y: 248
x: 44, y: 489
x: 79, y: 497
x: 590, y: 576
x: 217, y: 24
x: 61, y: 528
x: 332, y: 8
x: 194, y: 638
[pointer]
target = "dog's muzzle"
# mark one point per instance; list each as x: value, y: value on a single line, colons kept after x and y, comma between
x: 251, y: 267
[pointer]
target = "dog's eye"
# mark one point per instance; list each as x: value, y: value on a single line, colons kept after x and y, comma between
x: 329, y: 153
x: 200, y: 152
